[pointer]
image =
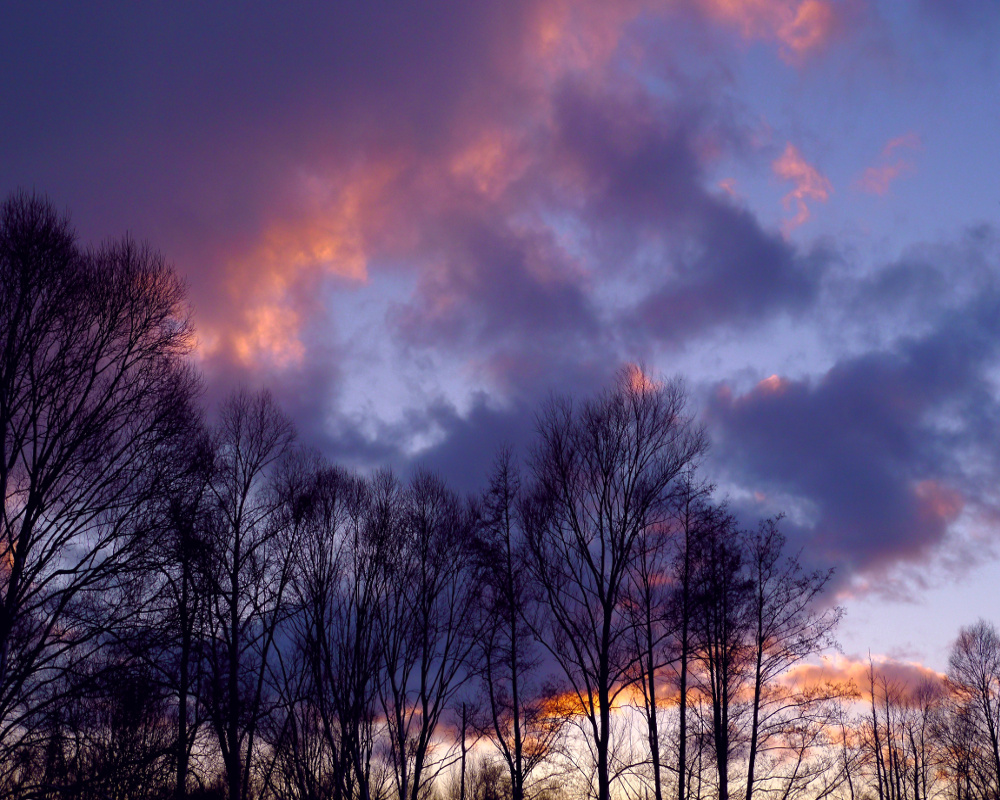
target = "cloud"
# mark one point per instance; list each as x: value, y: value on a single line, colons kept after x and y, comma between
x: 536, y: 184
x: 734, y: 274
x: 383, y: 138
x: 800, y: 27
x: 886, y: 450
x: 809, y: 183
x: 904, y: 676
x: 877, y: 178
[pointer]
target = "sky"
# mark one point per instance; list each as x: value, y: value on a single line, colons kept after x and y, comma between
x: 413, y: 222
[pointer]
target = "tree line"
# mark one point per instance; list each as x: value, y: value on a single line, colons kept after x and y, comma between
x: 202, y: 606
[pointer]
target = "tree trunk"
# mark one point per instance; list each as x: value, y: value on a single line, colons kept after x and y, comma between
x: 755, y: 722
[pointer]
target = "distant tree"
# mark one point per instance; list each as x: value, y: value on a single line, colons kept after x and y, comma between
x: 94, y: 390
x: 603, y: 478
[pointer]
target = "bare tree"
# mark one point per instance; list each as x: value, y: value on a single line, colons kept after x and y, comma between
x: 604, y: 475
x: 721, y: 627
x: 427, y: 638
x: 694, y: 519
x: 646, y: 602
x: 251, y: 542
x: 521, y: 719
x: 93, y: 390
x: 338, y: 588
x: 185, y: 567
x: 974, y: 678
x: 786, y: 626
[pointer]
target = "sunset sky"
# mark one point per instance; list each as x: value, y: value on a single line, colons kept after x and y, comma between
x: 413, y: 221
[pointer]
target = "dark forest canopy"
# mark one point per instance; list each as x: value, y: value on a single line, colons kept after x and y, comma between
x: 215, y: 610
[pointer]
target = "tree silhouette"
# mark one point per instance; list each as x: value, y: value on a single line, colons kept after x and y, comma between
x: 604, y: 475
x: 94, y: 388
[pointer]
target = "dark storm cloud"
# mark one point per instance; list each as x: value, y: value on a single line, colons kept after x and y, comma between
x: 738, y: 275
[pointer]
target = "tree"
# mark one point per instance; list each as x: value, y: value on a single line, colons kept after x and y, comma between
x: 172, y: 591
x: 694, y: 519
x: 251, y: 537
x: 427, y: 638
x: 786, y: 626
x: 604, y: 474
x: 720, y: 628
x: 94, y: 388
x: 338, y: 589
x: 974, y: 678
x: 521, y: 720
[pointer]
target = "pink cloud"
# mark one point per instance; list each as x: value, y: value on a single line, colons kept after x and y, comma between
x: 907, y: 675
x: 809, y: 183
x: 799, y: 27
x: 878, y: 178
x: 908, y: 141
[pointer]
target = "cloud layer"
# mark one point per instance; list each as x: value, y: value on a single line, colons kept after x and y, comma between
x: 480, y: 203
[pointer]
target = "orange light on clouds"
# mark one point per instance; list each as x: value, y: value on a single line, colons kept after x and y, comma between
x: 809, y: 183
x: 638, y: 381
x: 773, y: 385
x: 909, y: 675
x: 939, y: 502
x: 810, y: 29
x: 571, y: 36
x: 271, y: 334
x: 490, y: 163
x: 909, y: 141
x: 877, y: 178
x: 799, y: 26
x: 728, y: 185
x: 271, y: 288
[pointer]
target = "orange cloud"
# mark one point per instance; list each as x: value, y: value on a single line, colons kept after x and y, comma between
x: 799, y: 26
x: 909, y: 141
x: 773, y: 385
x: 877, y: 179
x: 809, y: 183
x: 270, y: 332
x: 565, y: 36
x: 271, y: 287
x: 638, y: 380
x: 728, y: 185
x: 908, y: 675
x: 489, y: 163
